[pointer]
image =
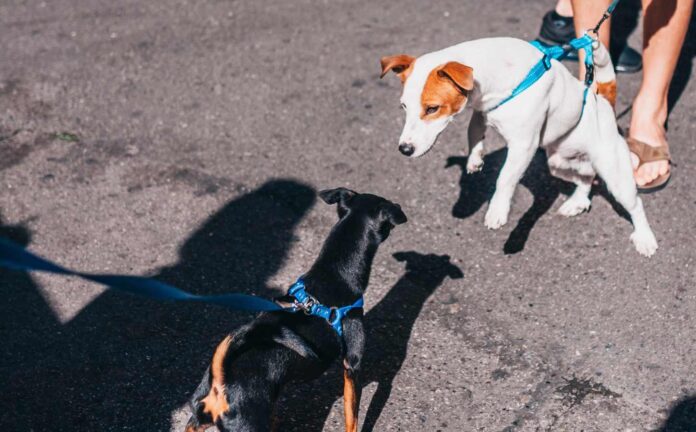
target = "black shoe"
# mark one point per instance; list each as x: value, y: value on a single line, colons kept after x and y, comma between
x: 630, y: 61
x: 558, y: 30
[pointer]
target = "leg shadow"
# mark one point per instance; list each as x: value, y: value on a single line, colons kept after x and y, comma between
x: 545, y: 190
x: 390, y: 322
x: 125, y: 363
x: 388, y: 326
x: 682, y: 416
x: 477, y: 189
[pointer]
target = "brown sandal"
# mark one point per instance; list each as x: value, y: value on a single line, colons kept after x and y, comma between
x: 647, y: 153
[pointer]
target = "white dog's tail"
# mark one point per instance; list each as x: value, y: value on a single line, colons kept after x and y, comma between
x: 605, y: 77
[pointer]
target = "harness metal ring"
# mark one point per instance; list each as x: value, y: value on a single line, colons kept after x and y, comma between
x: 333, y: 314
x: 305, y: 306
x: 595, y: 38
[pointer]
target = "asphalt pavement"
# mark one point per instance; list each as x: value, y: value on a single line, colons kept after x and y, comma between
x: 186, y: 140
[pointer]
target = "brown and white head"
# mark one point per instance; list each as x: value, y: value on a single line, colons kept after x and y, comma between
x: 434, y: 91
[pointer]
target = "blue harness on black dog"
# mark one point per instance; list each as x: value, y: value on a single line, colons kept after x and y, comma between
x: 309, y: 305
x: 15, y: 257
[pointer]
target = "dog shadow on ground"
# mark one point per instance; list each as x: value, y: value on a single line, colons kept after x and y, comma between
x: 477, y: 189
x: 388, y: 326
x: 126, y: 363
x: 682, y: 416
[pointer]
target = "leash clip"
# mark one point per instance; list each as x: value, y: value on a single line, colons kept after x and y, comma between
x: 592, y: 34
x: 605, y: 17
x: 307, y: 305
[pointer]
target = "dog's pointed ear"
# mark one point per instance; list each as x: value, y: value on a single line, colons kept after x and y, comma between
x: 397, y: 64
x: 462, y: 76
x: 338, y: 195
x: 453, y: 271
x: 393, y: 213
x: 404, y: 256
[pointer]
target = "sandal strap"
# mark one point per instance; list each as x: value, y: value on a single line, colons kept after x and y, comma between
x: 647, y: 153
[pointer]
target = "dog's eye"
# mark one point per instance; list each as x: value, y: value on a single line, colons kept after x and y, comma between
x: 403, y: 106
x: 432, y: 109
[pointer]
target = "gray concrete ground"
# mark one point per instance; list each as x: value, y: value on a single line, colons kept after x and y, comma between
x: 185, y: 140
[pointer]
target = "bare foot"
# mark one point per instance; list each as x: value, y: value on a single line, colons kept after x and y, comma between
x: 647, y: 126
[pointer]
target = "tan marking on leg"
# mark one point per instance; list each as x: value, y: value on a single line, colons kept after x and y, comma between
x: 215, y: 403
x: 350, y: 403
x: 608, y: 90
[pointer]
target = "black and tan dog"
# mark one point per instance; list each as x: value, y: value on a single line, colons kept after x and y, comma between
x: 250, y: 366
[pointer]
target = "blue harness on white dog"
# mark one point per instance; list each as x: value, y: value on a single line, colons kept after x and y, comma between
x: 559, y: 52
x: 556, y: 53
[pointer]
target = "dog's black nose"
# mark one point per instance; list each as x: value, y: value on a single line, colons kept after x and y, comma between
x: 406, y: 149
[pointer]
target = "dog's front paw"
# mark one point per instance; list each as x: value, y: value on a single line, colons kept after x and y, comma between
x: 645, y: 242
x: 474, y: 163
x: 574, y: 206
x: 497, y: 215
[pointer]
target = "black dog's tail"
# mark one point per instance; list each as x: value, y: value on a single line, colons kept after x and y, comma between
x: 210, y: 400
x: 200, y: 420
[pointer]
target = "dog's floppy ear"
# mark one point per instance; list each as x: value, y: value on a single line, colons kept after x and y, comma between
x: 397, y: 64
x: 462, y: 76
x: 339, y: 195
x: 393, y: 213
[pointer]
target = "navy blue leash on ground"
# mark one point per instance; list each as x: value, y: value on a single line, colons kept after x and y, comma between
x: 559, y: 52
x: 15, y: 257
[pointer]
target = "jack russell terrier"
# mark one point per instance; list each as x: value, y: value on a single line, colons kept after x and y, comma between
x: 579, y: 142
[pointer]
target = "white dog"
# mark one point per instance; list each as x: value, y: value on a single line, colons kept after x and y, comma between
x: 579, y: 143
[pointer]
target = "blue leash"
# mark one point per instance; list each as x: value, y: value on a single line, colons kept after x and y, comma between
x: 15, y: 257
x: 606, y: 16
x: 559, y: 53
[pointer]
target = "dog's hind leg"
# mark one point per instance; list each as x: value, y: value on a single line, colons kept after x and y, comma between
x: 354, y: 330
x: 351, y: 400
x: 578, y: 202
x: 613, y: 165
x: 578, y: 171
x: 476, y: 133
x: 199, y: 420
